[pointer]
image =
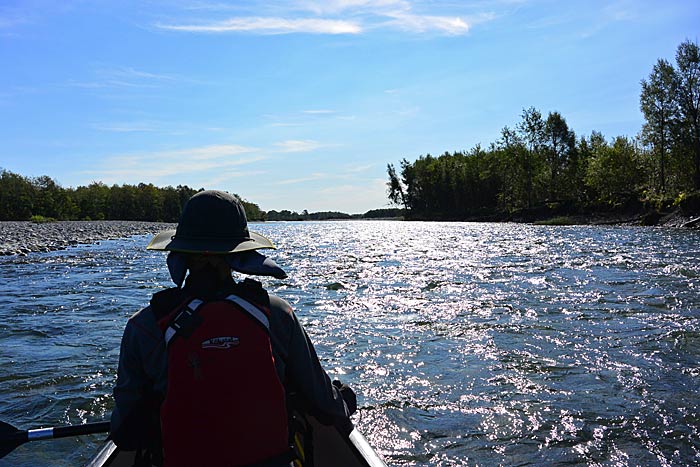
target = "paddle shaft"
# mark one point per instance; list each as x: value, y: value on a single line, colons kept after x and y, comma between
x: 11, y: 437
x: 66, y: 431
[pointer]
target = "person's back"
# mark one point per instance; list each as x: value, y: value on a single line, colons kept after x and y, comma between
x: 219, y: 355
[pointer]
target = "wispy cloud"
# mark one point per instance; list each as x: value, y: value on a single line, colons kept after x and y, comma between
x: 337, y: 17
x: 124, y: 77
x: 298, y: 145
x: 222, y: 178
x: 452, y: 25
x: 359, y: 168
x: 11, y: 18
x: 305, y: 118
x: 156, y: 165
x: 270, y: 26
x: 319, y: 112
x: 330, y: 7
x: 128, y: 127
x: 346, y: 196
x: 309, y: 178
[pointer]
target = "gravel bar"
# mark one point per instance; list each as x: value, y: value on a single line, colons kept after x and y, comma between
x: 22, y: 237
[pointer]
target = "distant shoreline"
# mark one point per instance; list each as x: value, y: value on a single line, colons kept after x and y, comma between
x: 23, y: 237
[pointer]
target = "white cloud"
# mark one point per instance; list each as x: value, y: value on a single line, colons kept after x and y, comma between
x: 124, y: 77
x: 425, y: 23
x: 319, y: 112
x: 211, y: 152
x: 298, y: 145
x: 352, y: 198
x: 341, y: 17
x: 128, y: 127
x: 222, y: 179
x: 325, y: 7
x: 359, y: 168
x: 156, y: 165
x: 271, y: 26
x: 312, y: 177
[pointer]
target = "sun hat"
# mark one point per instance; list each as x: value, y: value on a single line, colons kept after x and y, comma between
x: 212, y: 222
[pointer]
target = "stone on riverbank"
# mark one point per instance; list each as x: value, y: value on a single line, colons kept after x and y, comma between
x: 22, y: 237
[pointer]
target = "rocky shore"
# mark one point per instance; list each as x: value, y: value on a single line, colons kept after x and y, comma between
x: 20, y: 238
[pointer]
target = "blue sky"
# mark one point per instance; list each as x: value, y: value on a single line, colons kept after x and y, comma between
x: 300, y: 105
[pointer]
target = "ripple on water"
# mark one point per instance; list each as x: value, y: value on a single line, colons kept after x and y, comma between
x: 468, y: 344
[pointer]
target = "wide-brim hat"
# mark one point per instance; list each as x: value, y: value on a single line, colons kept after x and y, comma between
x: 212, y: 222
x: 169, y: 241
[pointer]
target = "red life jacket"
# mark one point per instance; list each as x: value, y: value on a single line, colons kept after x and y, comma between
x: 225, y: 404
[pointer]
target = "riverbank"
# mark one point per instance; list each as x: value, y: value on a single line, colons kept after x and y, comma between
x: 674, y: 219
x: 22, y: 237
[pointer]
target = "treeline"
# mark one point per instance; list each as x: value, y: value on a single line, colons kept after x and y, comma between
x: 41, y: 198
x: 25, y: 198
x: 285, y: 215
x: 541, y: 165
x: 305, y: 215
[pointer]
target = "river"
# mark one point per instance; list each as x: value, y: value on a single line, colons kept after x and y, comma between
x: 467, y: 344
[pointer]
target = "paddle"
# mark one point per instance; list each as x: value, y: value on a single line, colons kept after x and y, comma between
x: 11, y: 437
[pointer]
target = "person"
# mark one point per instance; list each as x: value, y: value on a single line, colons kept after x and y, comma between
x: 208, y: 367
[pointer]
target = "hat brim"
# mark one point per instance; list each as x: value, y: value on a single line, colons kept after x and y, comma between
x: 166, y: 241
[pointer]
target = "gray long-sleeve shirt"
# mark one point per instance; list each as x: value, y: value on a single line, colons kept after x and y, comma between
x: 143, y: 365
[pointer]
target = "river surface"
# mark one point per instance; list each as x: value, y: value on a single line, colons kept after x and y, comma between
x: 468, y: 344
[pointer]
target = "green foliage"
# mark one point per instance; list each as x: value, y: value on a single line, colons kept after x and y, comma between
x: 17, y: 196
x: 41, y: 198
x: 537, y: 162
x: 389, y: 213
x: 657, y: 102
x: 394, y: 188
x: 37, y: 219
x: 687, y: 87
x: 614, y: 171
x: 539, y: 167
x: 286, y: 215
x: 252, y: 210
x: 689, y: 203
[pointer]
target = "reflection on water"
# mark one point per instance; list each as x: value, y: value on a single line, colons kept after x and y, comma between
x: 468, y: 344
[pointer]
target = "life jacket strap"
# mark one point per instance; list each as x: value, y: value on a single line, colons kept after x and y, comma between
x: 252, y: 310
x: 185, y: 322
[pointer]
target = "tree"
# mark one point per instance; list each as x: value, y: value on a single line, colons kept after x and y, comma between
x: 688, y: 97
x: 658, y: 104
x: 17, y: 196
x: 532, y: 130
x: 614, y: 172
x: 394, y: 188
x: 560, y: 144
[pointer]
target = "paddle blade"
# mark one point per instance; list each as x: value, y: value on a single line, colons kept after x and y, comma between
x: 10, y: 438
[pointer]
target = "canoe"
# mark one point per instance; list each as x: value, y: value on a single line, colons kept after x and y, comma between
x: 330, y: 446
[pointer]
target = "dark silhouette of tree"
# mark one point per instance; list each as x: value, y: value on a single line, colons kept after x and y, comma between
x: 531, y: 129
x: 660, y: 109
x: 560, y: 149
x: 22, y: 198
x: 688, y: 92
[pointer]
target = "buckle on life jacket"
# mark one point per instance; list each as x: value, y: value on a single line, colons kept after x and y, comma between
x: 185, y: 322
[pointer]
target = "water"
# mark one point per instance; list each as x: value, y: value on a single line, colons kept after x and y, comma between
x: 468, y: 344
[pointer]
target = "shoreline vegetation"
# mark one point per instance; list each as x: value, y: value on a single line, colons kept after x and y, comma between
x: 537, y: 172
x: 540, y: 171
x: 42, y: 199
